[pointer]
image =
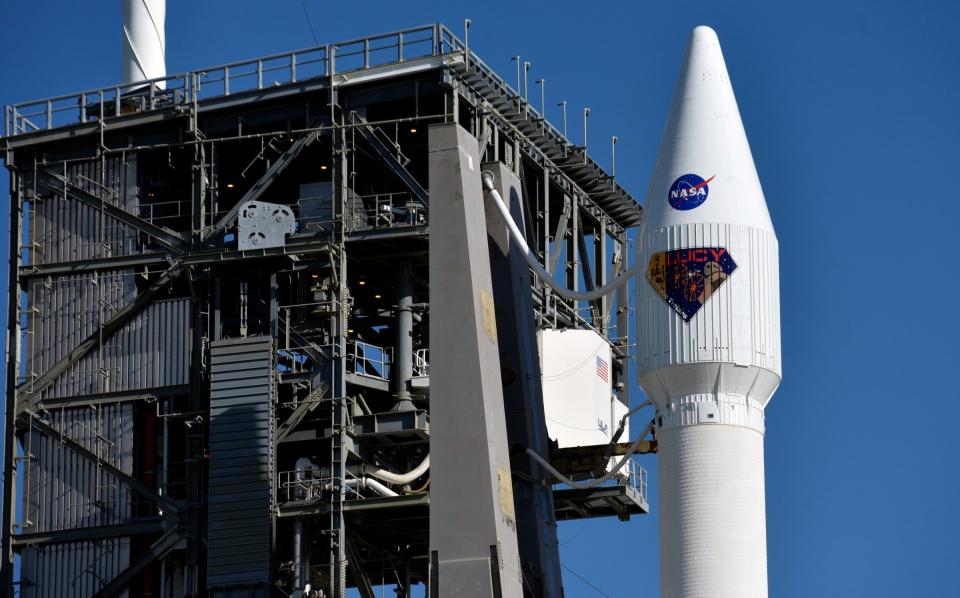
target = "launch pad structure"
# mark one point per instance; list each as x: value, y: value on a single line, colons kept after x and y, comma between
x: 266, y: 337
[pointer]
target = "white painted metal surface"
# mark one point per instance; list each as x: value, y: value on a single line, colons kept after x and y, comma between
x: 709, y: 336
x: 144, y: 41
x: 577, y: 396
x: 262, y: 225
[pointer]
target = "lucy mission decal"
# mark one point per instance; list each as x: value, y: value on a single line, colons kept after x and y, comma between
x: 687, y: 278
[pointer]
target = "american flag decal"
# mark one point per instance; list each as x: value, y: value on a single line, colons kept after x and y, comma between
x: 602, y: 369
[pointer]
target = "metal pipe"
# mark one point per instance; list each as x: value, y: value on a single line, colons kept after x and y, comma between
x: 300, y: 556
x: 404, y: 347
x: 526, y: 101
x: 564, y: 105
x: 402, y: 478
x: 586, y: 113
x: 163, y: 490
x: 537, y: 267
x: 466, y: 42
x: 543, y: 110
x: 372, y: 484
x: 613, y: 157
x: 592, y: 483
x: 517, y: 60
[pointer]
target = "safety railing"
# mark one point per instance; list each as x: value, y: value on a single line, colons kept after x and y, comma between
x: 302, y: 486
x: 365, y: 359
x: 227, y: 79
x: 389, y: 210
x: 364, y: 212
x: 634, y: 476
x: 421, y: 363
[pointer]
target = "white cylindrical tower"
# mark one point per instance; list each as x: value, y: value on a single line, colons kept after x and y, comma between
x: 144, y: 42
x: 709, y: 336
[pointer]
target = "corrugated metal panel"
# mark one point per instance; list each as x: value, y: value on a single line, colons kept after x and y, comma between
x: 64, y: 310
x: 241, y: 473
x: 64, y: 491
x: 63, y: 230
x: 151, y: 350
x: 72, y: 570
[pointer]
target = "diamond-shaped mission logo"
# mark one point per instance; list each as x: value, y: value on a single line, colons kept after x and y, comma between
x: 687, y: 278
x: 689, y: 191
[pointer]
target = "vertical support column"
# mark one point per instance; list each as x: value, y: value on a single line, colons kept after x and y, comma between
x: 403, y: 358
x: 522, y: 391
x: 470, y: 464
x: 200, y: 184
x: 623, y: 311
x: 9, y: 437
x: 197, y: 441
x: 600, y: 268
x: 336, y: 527
x: 573, y: 249
x: 545, y: 236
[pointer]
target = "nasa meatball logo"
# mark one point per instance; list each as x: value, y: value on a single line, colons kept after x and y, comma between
x: 689, y: 192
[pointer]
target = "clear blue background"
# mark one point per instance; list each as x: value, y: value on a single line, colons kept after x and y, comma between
x: 852, y: 113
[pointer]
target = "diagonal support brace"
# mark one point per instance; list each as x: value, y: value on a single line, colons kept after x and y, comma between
x: 370, y: 135
x: 168, y: 238
x: 41, y: 425
x: 30, y: 398
x: 261, y: 185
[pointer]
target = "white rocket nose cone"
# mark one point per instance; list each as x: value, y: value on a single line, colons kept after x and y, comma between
x: 704, y: 170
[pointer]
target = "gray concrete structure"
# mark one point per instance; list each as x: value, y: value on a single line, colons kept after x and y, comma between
x: 473, y: 528
x: 522, y: 390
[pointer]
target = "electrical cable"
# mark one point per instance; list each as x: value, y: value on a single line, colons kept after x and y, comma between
x: 310, y: 23
x: 581, y: 578
x: 592, y: 483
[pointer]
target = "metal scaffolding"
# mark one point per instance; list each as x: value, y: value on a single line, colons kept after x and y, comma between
x: 148, y: 260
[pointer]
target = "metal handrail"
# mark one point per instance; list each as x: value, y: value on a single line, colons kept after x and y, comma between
x: 364, y: 358
x: 19, y: 117
x: 421, y: 363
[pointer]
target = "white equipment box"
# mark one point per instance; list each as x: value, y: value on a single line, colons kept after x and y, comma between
x: 579, y: 405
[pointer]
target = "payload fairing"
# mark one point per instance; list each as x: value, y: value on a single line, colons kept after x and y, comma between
x: 709, y: 336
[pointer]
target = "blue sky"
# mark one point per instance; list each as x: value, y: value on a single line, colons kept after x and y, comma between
x: 852, y: 113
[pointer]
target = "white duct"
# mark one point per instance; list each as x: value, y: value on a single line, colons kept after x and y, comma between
x: 402, y: 478
x: 372, y: 484
x: 535, y: 264
x: 144, y: 42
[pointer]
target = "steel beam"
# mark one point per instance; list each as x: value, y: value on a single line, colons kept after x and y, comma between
x: 370, y: 135
x: 559, y: 235
x: 360, y: 577
x: 39, y: 424
x: 94, y: 265
x: 13, y: 401
x: 170, y: 239
x: 159, y: 549
x: 30, y: 398
x: 83, y: 534
x: 112, y: 398
x: 301, y: 411
x: 261, y: 185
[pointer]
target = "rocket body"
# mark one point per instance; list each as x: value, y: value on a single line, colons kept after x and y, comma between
x: 144, y: 41
x: 709, y: 329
